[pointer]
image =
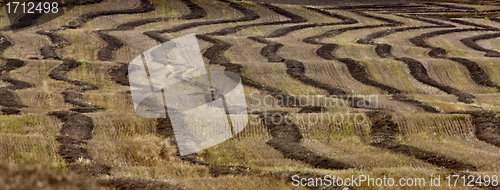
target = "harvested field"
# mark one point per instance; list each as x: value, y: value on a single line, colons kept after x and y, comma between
x: 394, y: 89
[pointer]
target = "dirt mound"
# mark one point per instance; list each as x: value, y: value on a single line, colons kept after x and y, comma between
x: 487, y: 126
x: 384, y: 132
x: 286, y: 139
x: 77, y: 128
x: 136, y: 184
x: 120, y: 74
x: 15, y: 177
x: 7, y: 97
x: 10, y: 111
x: 471, y: 42
x: 312, y: 109
x: 106, y: 53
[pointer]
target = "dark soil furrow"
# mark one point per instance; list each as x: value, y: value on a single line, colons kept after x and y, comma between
x: 145, y: 6
x: 487, y: 126
x: 285, y: 30
x: 49, y: 51
x: 384, y: 132
x: 73, y: 95
x: 286, y: 139
x: 249, y: 15
x: 106, y: 53
x: 8, y: 98
x: 195, y: 13
x: 477, y: 74
x: 76, y: 130
x: 293, y: 19
x: 471, y: 42
x: 164, y: 128
x: 136, y: 184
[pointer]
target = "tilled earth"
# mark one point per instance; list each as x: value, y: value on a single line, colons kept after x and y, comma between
x: 326, y: 28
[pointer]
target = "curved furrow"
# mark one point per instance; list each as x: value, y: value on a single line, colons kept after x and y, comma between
x: 293, y: 19
x: 8, y: 98
x: 472, y: 43
x: 487, y: 126
x: 73, y: 95
x: 477, y: 74
x: 49, y: 51
x: 145, y: 6
x: 249, y: 15
x: 286, y: 139
x: 384, y: 132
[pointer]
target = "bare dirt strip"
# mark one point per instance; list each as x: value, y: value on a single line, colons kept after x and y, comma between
x: 487, y: 124
x: 384, y: 132
x: 8, y: 98
x: 77, y: 129
x: 487, y: 127
x: 471, y: 42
